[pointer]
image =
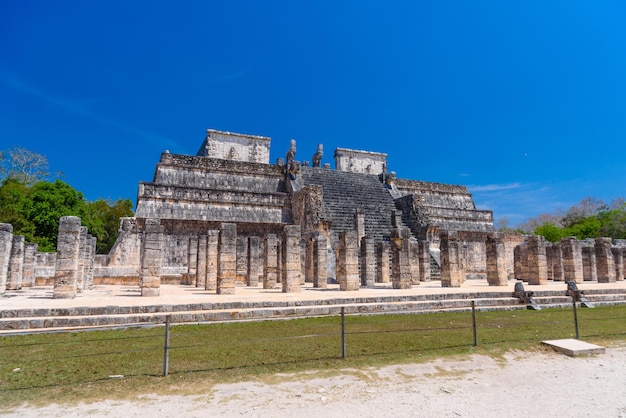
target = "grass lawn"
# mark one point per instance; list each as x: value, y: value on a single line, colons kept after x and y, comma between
x: 116, y: 364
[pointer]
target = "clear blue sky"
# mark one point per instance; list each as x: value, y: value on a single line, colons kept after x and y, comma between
x: 522, y: 102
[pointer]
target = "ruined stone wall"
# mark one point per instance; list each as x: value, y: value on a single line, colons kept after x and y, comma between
x: 364, y: 162
x: 197, y: 188
x: 234, y: 146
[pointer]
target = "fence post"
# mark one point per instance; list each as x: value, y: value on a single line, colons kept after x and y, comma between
x: 474, y: 323
x: 343, y: 332
x: 166, y: 350
x: 575, y: 315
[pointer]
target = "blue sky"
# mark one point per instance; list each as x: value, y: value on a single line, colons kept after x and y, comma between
x: 522, y: 102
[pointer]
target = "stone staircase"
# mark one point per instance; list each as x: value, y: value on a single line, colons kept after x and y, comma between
x: 82, y: 318
x: 345, y: 192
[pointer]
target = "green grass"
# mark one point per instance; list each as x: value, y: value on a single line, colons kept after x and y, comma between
x: 115, y: 364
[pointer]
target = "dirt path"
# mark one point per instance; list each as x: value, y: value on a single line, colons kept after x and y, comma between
x: 520, y: 385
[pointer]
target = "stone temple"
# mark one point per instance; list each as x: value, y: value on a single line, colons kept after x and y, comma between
x: 229, y: 217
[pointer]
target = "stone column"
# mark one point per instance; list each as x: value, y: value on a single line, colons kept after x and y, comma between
x: 255, y: 264
x: 16, y: 266
x: 292, y: 267
x: 309, y: 261
x: 151, y: 258
x: 424, y: 261
x: 557, y: 263
x: 359, y: 225
x: 572, y: 260
x: 6, y: 241
x: 192, y: 261
x: 28, y: 271
x: 451, y: 275
x: 537, y: 262
x: 520, y: 262
x: 270, y: 260
x: 400, y: 258
x: 82, y: 267
x: 590, y: 271
x: 414, y: 261
x: 382, y: 262
x: 242, y: 260
x: 227, y: 259
x: 368, y: 262
x: 68, y: 251
x: 91, y: 254
x: 212, y: 257
x: 605, y: 263
x: 348, y: 261
x: 496, y: 262
x: 320, y: 262
x: 201, y: 269
x: 618, y: 256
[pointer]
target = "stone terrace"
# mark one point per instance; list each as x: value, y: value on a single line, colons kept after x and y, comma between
x: 34, y: 309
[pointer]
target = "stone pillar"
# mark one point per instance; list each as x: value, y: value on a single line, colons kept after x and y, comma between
x: 212, y: 257
x: 605, y: 263
x: 520, y: 262
x: 414, y: 261
x: 6, y: 241
x: 201, y: 267
x: 496, y: 261
x: 192, y: 261
x: 348, y: 261
x: 451, y: 275
x: 359, y: 225
x: 320, y: 262
x: 68, y: 251
x: 292, y: 267
x: 537, y: 262
x: 572, y: 260
x: 400, y: 258
x: 424, y: 261
x: 82, y: 258
x: 368, y: 262
x: 382, y: 262
x: 16, y: 266
x: 151, y: 258
x: 91, y: 253
x: 242, y: 260
x: 590, y: 272
x: 255, y: 266
x: 309, y: 259
x: 270, y: 260
x: 28, y: 271
x: 557, y: 263
x: 227, y: 259
x: 618, y: 256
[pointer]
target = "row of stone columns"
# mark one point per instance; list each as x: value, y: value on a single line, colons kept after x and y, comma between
x: 537, y: 261
x: 277, y: 260
x: 73, y: 266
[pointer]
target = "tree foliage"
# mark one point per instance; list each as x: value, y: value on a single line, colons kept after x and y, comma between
x: 590, y: 218
x: 35, y: 211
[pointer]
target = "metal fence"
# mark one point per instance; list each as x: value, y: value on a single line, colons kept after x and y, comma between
x: 33, y: 360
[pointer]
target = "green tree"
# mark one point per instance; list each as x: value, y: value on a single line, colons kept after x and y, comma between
x: 102, y: 219
x: 551, y: 232
x: 14, y: 196
x: 47, y: 204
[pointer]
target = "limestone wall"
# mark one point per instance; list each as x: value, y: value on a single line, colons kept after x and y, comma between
x: 235, y: 146
x: 364, y: 162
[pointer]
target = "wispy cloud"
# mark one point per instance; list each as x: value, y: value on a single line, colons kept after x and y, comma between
x: 495, y: 187
x: 81, y: 108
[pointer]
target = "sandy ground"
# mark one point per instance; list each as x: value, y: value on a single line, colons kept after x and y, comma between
x: 542, y: 384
